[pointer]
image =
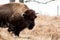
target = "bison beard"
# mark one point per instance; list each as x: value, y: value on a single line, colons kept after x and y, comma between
x: 11, y: 15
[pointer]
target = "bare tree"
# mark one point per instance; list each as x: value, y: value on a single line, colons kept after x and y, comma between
x: 12, y: 0
x: 21, y: 0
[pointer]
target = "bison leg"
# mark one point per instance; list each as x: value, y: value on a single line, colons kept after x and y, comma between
x: 0, y: 24
x: 10, y: 27
x: 14, y: 30
x: 17, y: 32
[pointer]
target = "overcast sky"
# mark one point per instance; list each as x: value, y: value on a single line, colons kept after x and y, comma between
x: 49, y: 9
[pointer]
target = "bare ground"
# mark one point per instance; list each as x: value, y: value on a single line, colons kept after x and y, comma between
x: 46, y: 28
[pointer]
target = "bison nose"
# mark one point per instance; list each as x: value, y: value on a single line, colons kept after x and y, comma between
x: 31, y: 26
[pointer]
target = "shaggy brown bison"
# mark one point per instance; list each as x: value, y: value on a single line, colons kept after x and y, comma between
x: 17, y: 17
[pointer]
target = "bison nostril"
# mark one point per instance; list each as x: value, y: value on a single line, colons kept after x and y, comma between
x: 31, y: 26
x: 35, y: 16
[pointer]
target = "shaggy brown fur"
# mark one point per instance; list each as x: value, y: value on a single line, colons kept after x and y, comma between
x: 18, y: 16
x: 12, y: 9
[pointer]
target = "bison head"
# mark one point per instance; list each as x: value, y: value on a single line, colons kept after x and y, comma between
x: 30, y: 16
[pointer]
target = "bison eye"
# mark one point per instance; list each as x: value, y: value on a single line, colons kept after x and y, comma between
x: 26, y: 16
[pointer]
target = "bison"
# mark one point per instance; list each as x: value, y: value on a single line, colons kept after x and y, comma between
x: 17, y: 16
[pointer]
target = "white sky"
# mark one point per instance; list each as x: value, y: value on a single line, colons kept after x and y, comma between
x: 4, y: 1
x: 49, y: 9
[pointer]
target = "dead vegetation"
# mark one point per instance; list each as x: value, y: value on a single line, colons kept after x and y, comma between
x: 46, y: 28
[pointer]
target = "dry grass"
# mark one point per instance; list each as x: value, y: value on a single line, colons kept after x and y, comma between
x: 46, y: 28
